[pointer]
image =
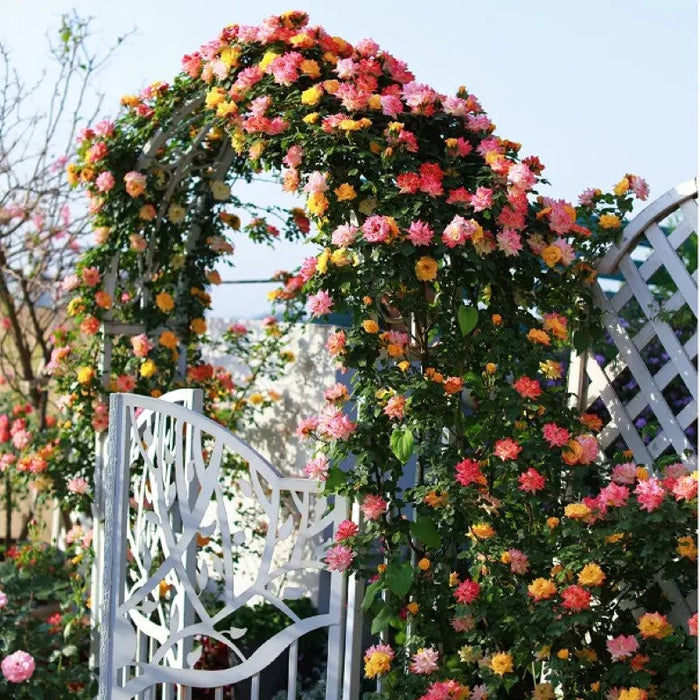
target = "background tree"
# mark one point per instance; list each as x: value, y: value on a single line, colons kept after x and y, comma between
x: 41, y: 222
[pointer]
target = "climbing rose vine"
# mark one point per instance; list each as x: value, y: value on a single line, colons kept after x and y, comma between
x: 502, y: 558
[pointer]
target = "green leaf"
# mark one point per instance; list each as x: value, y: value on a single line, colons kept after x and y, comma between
x: 336, y: 477
x: 399, y: 578
x: 581, y: 341
x: 370, y: 595
x: 401, y: 442
x: 381, y: 621
x: 425, y: 530
x: 467, y: 317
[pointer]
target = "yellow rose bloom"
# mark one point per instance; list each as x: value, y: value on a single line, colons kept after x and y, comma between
x: 345, y: 192
x: 424, y: 564
x: 198, y: 326
x: 370, y: 326
x: 413, y: 608
x: 563, y: 654
x: 426, y: 269
x: 214, y: 97
x: 168, y: 339
x: 622, y: 187
x: 686, y: 548
x: 633, y: 693
x: 322, y: 261
x: 552, y: 522
x: 256, y: 398
x: 75, y: 306
x: 551, y: 255
x: 267, y: 59
x: 309, y: 67
x: 490, y: 368
x: 501, y: 663
x: 577, y: 511
x: 317, y: 203
x: 542, y: 588
x: 165, y: 302
x: 609, y: 221
x: 534, y: 335
x: 85, y: 375
x: 376, y: 663
x: 482, y: 530
x: 148, y: 369
x: 340, y: 257
x: 591, y: 575
x: 311, y: 118
x: 312, y: 96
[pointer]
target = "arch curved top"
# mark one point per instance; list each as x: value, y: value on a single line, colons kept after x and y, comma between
x: 655, y: 212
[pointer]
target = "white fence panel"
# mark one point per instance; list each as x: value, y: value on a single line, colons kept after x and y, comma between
x: 641, y: 316
x: 171, y: 554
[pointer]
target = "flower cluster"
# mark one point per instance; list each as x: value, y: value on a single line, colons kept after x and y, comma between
x: 524, y: 566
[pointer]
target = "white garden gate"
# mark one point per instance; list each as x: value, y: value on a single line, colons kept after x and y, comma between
x: 171, y: 558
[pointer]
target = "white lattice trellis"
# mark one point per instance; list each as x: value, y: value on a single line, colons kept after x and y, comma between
x: 164, y: 500
x: 640, y: 316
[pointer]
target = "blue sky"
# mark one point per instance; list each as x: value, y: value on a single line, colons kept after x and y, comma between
x: 595, y: 88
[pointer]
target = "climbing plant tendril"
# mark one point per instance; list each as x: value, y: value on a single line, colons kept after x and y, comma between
x: 514, y: 564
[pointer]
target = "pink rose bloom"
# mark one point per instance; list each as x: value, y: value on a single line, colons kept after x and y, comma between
x: 91, y: 276
x: 624, y: 473
x: 17, y: 667
x: 395, y: 407
x: 346, y: 529
x: 376, y: 229
x: 693, y: 625
x: 346, y: 68
x: 507, y: 449
x: 317, y: 468
x: 520, y: 176
x: 78, y: 485
x: 509, y: 242
x: 320, y: 303
x: 125, y: 384
x: 420, y: 233
x: 639, y: 186
x: 335, y: 424
x: 306, y: 426
x: 685, y: 488
x: 21, y: 439
x: 294, y: 156
x: 391, y: 105
x: 69, y: 283
x: 531, y: 481
x: 590, y: 448
x: 585, y: 199
x: 105, y: 181
x: 479, y: 692
x: 464, y: 623
x: 135, y: 183
x: 650, y: 494
x: 337, y: 392
x: 554, y: 435
x: 339, y: 557
x: 373, y: 507
x: 344, y: 235
x: 3, y: 600
x: 568, y: 254
x: 104, y: 128
x: 285, y: 68
x: 467, y: 592
x: 519, y: 563
x: 424, y: 661
x: 621, y: 647
x: 316, y: 182
x: 527, y: 388
x: 141, y: 345
x: 336, y: 343
x: 469, y: 472
x: 459, y: 230
x: 576, y: 598
x: 613, y: 495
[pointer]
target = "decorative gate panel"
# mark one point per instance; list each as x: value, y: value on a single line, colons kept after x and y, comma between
x: 648, y: 384
x: 180, y: 560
